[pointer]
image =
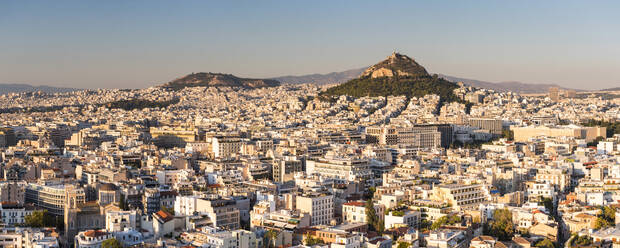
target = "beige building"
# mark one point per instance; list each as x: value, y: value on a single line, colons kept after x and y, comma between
x: 178, y: 136
x: 461, y: 196
x: 522, y: 134
x: 12, y: 191
x: 559, y: 178
x: 554, y: 94
x: 225, y: 147
x: 285, y: 168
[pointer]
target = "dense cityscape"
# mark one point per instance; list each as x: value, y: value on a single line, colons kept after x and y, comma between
x: 309, y: 124
x: 212, y: 166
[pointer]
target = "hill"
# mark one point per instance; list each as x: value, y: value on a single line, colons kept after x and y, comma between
x: 611, y: 89
x: 322, y: 79
x: 208, y: 79
x: 18, y: 88
x: 396, y: 75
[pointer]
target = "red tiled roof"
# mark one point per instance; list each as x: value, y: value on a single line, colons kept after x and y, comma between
x: 164, y: 216
x: 355, y: 203
x: 94, y: 233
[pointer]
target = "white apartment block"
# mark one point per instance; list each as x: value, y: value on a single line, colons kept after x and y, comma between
x: 116, y: 221
x: 13, y: 213
x: 346, y: 169
x: 409, y: 219
x: 320, y: 206
x: 355, y: 212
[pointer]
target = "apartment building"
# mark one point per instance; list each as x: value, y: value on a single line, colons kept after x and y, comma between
x: 355, y: 212
x: 461, y: 196
x: 116, y: 221
x: 224, y: 213
x: 13, y: 213
x: 344, y: 168
x: 320, y: 206
x: 54, y: 198
x: 285, y: 168
x: 12, y: 191
x: 494, y: 126
x: 225, y: 146
x: 421, y: 137
x: 406, y: 218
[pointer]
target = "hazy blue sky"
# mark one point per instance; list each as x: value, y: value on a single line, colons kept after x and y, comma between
x: 133, y: 44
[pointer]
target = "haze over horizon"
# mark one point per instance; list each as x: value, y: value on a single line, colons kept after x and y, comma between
x: 118, y: 44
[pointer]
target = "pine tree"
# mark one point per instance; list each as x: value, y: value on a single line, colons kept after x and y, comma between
x: 122, y: 204
x: 371, y: 217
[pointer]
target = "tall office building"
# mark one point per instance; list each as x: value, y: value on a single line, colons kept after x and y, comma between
x: 422, y: 137
x: 554, y: 93
x: 9, y: 136
x: 284, y: 169
x: 494, y: 126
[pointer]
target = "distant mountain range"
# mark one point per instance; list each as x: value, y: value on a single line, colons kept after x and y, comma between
x: 17, y: 88
x: 344, y: 76
x: 322, y: 79
x: 512, y: 86
x: 209, y: 79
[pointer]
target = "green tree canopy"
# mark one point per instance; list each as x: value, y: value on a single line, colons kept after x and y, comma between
x: 39, y: 219
x: 403, y: 245
x: 111, y: 243
x: 582, y: 240
x: 501, y: 226
x: 122, y: 204
x: 606, y: 218
x: 508, y: 134
x: 310, y: 241
x: 545, y: 243
x: 374, y: 222
x: 446, y: 220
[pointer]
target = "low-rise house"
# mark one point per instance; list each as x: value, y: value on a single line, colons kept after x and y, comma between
x: 163, y: 223
x: 404, y: 218
x: 91, y: 238
x: 446, y: 239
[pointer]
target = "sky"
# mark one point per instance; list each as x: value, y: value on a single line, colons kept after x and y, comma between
x: 137, y: 44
